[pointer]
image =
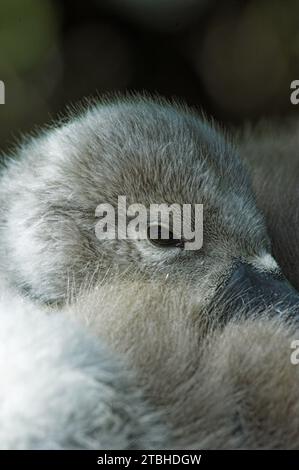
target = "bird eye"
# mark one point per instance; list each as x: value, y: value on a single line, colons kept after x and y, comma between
x: 161, y: 237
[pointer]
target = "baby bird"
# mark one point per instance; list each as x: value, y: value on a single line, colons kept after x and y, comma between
x: 167, y: 310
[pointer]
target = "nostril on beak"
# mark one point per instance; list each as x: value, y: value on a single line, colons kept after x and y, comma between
x: 251, y: 292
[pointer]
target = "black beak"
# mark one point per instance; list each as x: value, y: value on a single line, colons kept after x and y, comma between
x: 252, y: 292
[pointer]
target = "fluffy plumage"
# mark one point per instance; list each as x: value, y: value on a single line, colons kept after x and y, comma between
x: 230, y: 386
x: 148, y: 151
x: 215, y: 378
x: 62, y: 388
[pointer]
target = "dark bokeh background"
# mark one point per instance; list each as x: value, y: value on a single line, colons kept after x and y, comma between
x: 236, y: 59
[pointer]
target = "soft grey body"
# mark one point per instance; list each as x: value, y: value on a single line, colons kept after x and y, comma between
x: 61, y: 388
x: 153, y: 306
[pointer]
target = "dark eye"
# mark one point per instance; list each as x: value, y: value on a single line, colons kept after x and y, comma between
x: 161, y: 237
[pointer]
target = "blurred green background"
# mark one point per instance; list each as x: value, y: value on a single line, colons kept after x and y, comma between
x: 236, y: 59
